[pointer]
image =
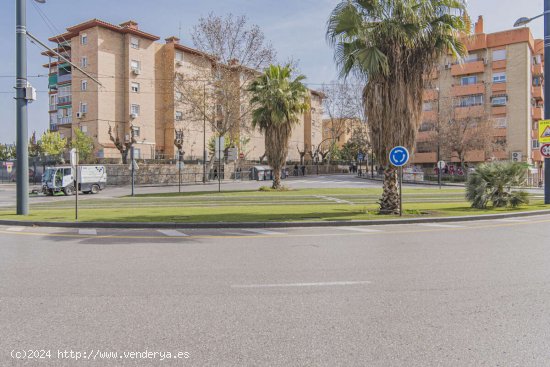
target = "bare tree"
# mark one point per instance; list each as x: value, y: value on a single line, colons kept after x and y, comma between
x: 232, y: 52
x: 123, y: 146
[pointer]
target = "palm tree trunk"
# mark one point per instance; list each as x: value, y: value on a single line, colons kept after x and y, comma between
x: 276, y: 179
x: 389, y: 204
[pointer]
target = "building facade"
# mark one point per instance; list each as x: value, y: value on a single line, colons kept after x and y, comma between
x: 138, y: 95
x: 500, y: 81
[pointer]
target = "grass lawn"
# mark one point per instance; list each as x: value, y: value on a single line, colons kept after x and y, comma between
x: 256, y: 206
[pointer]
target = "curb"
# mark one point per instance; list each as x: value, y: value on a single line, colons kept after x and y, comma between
x: 224, y: 225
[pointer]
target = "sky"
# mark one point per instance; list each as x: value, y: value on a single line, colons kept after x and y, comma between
x: 296, y: 28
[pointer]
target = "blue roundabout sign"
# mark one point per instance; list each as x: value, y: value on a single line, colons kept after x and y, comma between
x: 399, y: 156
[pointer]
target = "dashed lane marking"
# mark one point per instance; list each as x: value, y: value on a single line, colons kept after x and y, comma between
x: 438, y: 225
x: 172, y: 233
x: 321, y: 284
x: 263, y: 231
x: 15, y: 229
x: 87, y: 232
x: 359, y: 229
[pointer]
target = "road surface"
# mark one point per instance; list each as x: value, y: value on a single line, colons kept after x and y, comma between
x: 453, y: 294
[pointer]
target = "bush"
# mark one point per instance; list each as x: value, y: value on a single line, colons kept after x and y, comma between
x: 494, y: 182
x: 269, y: 188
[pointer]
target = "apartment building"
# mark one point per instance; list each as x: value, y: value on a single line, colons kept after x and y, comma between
x: 341, y: 130
x: 501, y: 81
x: 138, y: 95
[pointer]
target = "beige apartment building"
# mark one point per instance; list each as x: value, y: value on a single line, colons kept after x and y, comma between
x: 501, y: 80
x: 340, y: 130
x: 138, y: 94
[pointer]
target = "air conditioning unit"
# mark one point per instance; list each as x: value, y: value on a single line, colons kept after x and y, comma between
x: 136, y: 71
x: 79, y: 115
x: 133, y: 115
x: 517, y: 156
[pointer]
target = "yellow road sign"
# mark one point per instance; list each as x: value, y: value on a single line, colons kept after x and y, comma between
x: 544, y: 131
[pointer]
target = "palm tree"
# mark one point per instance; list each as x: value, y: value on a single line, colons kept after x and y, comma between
x: 393, y: 45
x: 277, y: 102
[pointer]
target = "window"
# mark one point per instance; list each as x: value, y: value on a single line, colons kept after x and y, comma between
x: 426, y: 126
x: 537, y: 59
x: 179, y: 116
x: 136, y: 131
x: 135, y: 87
x: 134, y: 42
x: 137, y: 153
x: 179, y: 96
x: 84, y: 128
x: 83, y: 39
x: 84, y: 85
x: 427, y: 106
x: 83, y: 107
x: 471, y: 58
x: 467, y: 80
x: 499, y: 78
x: 499, y: 55
x: 179, y: 56
x: 499, y: 101
x: 501, y: 122
x: 537, y: 81
x: 134, y: 65
x: 84, y: 62
x: 536, y: 126
x: 535, y: 144
x: 134, y: 109
x: 468, y: 101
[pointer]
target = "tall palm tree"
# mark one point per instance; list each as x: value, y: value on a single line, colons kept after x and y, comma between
x: 393, y: 45
x: 278, y: 101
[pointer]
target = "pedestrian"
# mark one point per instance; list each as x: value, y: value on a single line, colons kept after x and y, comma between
x: 296, y: 170
x: 303, y: 170
x: 215, y: 173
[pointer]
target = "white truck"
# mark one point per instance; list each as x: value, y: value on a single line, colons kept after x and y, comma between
x: 91, y: 179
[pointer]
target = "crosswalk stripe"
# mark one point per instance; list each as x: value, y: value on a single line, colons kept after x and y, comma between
x: 359, y: 229
x: 172, y: 233
x: 438, y: 225
x: 15, y: 229
x: 87, y: 232
x: 262, y: 231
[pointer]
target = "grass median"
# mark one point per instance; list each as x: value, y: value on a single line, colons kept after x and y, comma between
x: 256, y: 206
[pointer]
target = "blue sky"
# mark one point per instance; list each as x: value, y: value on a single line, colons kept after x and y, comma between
x: 295, y: 27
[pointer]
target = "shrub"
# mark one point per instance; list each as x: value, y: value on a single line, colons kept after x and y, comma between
x: 494, y: 183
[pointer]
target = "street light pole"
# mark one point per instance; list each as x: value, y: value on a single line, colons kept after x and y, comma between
x: 204, y: 135
x: 21, y: 109
x: 521, y: 22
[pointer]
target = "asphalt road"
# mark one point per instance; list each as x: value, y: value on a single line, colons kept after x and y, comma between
x: 456, y: 294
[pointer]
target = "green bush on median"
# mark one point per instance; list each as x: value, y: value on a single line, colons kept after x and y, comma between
x: 494, y: 183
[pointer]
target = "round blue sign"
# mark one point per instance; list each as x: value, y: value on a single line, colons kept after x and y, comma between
x: 399, y: 156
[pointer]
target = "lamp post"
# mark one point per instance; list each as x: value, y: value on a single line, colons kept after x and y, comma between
x: 178, y: 142
x: 521, y: 22
x: 438, y: 138
x: 204, y: 135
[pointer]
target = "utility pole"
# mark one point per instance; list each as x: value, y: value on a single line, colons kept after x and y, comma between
x: 547, y: 93
x: 22, y: 140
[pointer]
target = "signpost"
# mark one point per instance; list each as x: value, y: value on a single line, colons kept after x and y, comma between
x: 399, y: 156
x: 74, y: 165
x: 133, y: 167
x: 440, y: 167
x: 360, y: 158
x: 544, y: 139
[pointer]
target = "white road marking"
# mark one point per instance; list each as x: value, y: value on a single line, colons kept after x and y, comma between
x: 87, y: 232
x: 322, y: 284
x: 440, y: 225
x: 339, y: 201
x: 262, y: 231
x: 15, y: 229
x: 172, y: 233
x: 359, y: 229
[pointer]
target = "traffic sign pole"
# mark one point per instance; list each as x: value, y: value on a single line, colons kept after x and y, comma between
x: 401, y: 191
x: 399, y: 156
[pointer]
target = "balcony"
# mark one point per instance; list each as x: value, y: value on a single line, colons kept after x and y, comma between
x: 64, y: 120
x: 429, y: 115
x: 52, y: 81
x: 498, y: 87
x: 52, y: 107
x: 66, y: 78
x: 470, y: 111
x: 537, y: 113
x: 538, y: 69
x: 498, y: 110
x: 537, y: 92
x: 64, y: 99
x: 499, y: 64
x: 430, y: 95
x: 470, y: 89
x: 503, y: 132
x: 475, y: 67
